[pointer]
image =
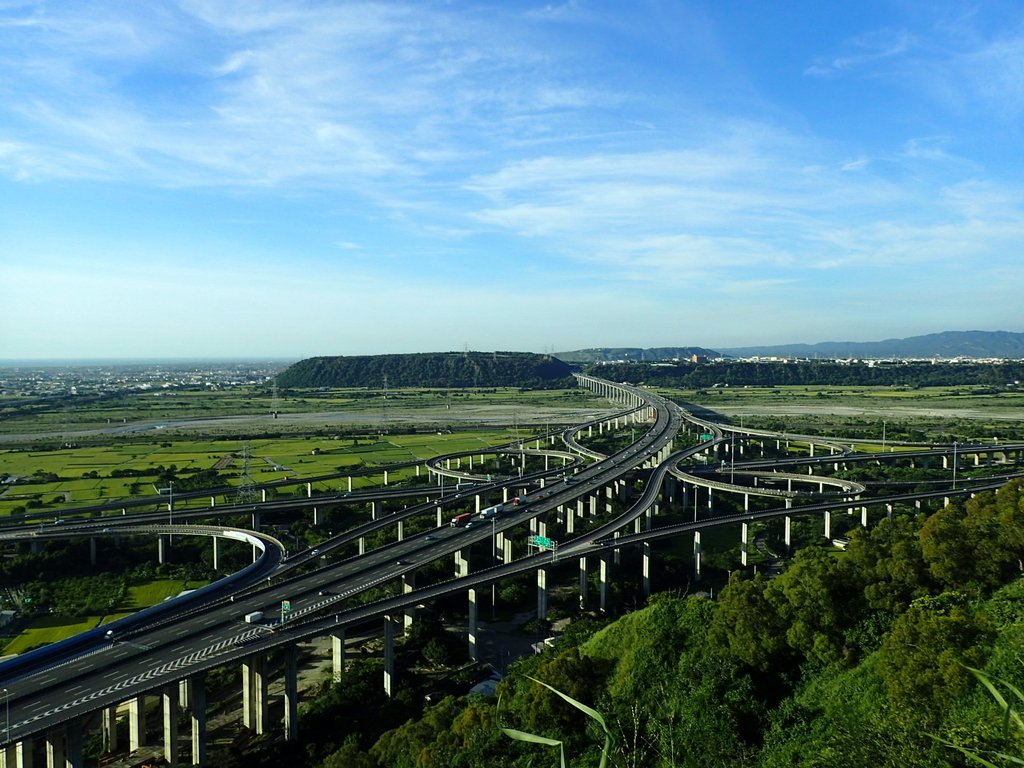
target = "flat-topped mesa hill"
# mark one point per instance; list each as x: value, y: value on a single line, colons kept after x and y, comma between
x: 431, y: 369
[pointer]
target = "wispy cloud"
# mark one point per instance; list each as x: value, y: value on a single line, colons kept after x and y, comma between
x: 863, y: 52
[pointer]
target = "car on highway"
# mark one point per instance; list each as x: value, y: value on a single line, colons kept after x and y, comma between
x: 314, y: 552
x: 402, y: 562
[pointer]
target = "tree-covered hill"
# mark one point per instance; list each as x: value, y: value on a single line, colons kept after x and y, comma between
x: 857, y: 659
x: 810, y: 373
x: 433, y: 369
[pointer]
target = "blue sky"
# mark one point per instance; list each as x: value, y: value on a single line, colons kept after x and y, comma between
x: 209, y: 178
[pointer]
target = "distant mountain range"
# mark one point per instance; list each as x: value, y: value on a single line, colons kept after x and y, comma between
x: 976, y: 344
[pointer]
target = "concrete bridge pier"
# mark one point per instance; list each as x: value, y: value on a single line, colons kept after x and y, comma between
x: 603, y: 573
x: 337, y: 653
x: 646, y: 569
x: 787, y: 533
x: 53, y: 744
x: 461, y: 563
x: 169, y: 706
x: 828, y: 524
x: 291, y: 693
x: 542, y: 593
x: 136, y: 723
x: 744, y: 543
x: 472, y: 622
x: 197, y: 716
x: 696, y: 555
x: 108, y: 729
x: 389, y: 657
x: 409, y: 585
x: 17, y: 755
x: 254, y: 694
x: 864, y: 517
x: 584, y: 584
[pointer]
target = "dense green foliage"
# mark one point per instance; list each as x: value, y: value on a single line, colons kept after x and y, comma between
x: 856, y: 659
x: 442, y: 369
x: 814, y: 372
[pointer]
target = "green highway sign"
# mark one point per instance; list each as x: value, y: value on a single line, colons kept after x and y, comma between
x: 286, y: 605
x: 540, y: 541
x: 707, y: 436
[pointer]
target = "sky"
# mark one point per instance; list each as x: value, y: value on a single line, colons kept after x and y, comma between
x: 252, y: 178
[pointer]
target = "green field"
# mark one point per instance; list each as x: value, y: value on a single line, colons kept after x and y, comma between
x: 271, y: 459
x: 50, y: 629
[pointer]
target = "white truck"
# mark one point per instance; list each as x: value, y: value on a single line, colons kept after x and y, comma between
x: 255, y: 617
x: 492, y: 511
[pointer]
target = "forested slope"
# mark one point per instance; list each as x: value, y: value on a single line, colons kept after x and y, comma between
x: 811, y: 373
x: 440, y: 369
x: 855, y: 659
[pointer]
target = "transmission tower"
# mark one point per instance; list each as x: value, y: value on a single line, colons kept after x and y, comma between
x: 246, y: 485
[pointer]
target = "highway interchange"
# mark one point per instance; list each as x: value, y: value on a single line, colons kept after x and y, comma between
x: 189, y: 635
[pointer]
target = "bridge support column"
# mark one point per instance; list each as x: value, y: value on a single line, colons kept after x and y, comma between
x: 461, y: 563
x: 375, y: 509
x: 108, y: 728
x: 389, y: 657
x: 216, y: 552
x: 888, y: 511
x: 570, y: 522
x: 472, y: 622
x: 584, y: 584
x: 401, y: 530
x: 256, y: 518
x: 542, y: 593
x: 864, y: 517
x: 54, y: 746
x: 603, y: 573
x: 169, y: 706
x: 440, y: 522
x: 136, y: 723
x: 744, y: 543
x: 617, y: 552
x: 92, y: 551
x: 291, y: 693
x: 254, y: 694
x: 696, y: 555
x: 318, y: 517
x: 409, y: 585
x: 337, y: 653
x: 162, y: 547
x: 17, y: 755
x: 646, y: 575
x: 593, y: 506
x: 197, y: 716
x: 828, y: 524
x: 787, y: 533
